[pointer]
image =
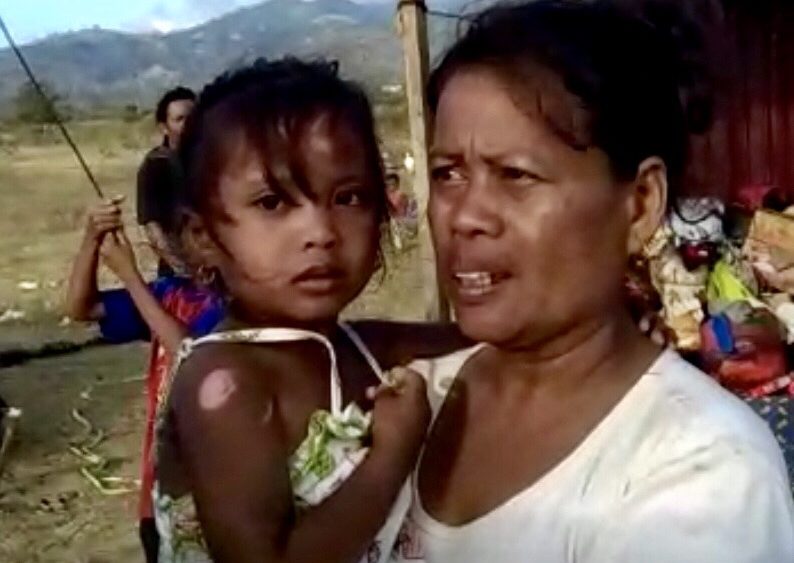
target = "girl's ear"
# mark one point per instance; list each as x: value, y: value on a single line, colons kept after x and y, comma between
x: 198, y: 242
x: 648, y: 202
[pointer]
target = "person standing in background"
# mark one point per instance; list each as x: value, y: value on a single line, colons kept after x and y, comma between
x: 403, y: 212
x: 157, y: 175
x: 165, y: 312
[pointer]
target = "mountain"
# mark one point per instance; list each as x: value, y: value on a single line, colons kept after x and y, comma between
x: 98, y: 66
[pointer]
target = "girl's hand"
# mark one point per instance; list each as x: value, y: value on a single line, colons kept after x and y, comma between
x: 401, y: 414
x: 104, y: 218
x: 117, y: 254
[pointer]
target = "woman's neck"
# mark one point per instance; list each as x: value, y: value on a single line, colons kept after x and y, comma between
x: 611, y: 347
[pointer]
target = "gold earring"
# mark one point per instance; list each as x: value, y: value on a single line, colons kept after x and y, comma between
x: 206, y: 276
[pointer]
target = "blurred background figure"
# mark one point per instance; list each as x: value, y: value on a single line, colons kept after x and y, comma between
x: 403, y: 211
x: 157, y: 174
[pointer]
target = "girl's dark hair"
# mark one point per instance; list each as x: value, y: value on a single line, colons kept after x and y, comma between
x: 270, y: 104
x: 630, y: 84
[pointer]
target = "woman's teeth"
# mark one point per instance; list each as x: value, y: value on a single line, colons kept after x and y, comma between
x: 475, y: 283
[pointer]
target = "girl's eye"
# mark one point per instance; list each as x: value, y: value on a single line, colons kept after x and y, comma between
x: 270, y: 202
x: 446, y: 173
x: 350, y: 197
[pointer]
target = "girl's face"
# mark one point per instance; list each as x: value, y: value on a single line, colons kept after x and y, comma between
x: 532, y: 236
x: 299, y: 258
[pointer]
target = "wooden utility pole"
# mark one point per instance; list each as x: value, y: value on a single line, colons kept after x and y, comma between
x: 412, y: 27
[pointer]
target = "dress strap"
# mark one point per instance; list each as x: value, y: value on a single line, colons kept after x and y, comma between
x: 274, y: 335
x: 363, y: 349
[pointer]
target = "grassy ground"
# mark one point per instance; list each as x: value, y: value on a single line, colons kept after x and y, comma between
x: 48, y: 511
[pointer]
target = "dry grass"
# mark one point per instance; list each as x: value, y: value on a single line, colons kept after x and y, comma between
x: 44, y: 195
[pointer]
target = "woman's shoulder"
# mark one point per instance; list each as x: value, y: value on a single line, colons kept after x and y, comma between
x: 685, y: 470
x: 685, y: 414
x: 440, y: 372
x: 707, y: 407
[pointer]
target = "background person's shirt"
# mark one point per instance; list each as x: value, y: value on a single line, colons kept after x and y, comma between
x: 197, y: 308
x: 680, y: 471
x: 157, y: 192
x: 157, y: 187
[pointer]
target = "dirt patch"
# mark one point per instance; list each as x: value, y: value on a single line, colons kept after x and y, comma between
x: 48, y: 511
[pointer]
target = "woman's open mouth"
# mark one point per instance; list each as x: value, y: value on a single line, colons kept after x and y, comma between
x: 475, y: 285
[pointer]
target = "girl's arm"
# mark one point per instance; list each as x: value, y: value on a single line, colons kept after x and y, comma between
x: 117, y: 253
x: 232, y: 442
x: 82, y: 295
x: 396, y: 344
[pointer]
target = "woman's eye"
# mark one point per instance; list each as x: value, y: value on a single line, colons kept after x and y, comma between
x: 270, y: 202
x: 446, y: 174
x: 514, y: 174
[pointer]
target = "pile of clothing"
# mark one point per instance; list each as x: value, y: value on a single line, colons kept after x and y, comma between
x: 716, y: 282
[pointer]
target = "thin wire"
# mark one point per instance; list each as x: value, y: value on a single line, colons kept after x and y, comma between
x: 51, y: 108
x: 449, y: 15
x: 421, y: 4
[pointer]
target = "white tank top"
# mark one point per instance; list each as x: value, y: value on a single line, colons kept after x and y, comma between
x: 679, y: 472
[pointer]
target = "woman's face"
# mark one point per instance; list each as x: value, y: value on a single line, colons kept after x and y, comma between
x: 531, y: 235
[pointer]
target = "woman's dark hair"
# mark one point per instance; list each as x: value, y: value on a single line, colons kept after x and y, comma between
x: 627, y: 83
x: 177, y: 94
x: 270, y: 104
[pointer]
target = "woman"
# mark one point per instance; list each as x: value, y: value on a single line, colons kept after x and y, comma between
x: 560, y: 136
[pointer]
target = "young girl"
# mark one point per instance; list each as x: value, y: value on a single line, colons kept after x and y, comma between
x: 285, y: 200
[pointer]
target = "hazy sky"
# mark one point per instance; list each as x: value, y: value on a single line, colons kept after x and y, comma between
x: 34, y: 19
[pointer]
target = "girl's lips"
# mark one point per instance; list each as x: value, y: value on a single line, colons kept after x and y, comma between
x: 319, y: 278
x: 320, y: 271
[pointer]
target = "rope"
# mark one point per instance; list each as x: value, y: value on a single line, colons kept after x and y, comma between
x: 51, y: 107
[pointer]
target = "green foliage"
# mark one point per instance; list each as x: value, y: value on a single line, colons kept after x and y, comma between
x: 131, y: 113
x: 31, y: 107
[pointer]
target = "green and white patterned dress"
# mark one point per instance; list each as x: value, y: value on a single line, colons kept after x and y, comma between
x: 329, y: 454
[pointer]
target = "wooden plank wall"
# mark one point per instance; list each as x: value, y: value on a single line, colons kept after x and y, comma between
x: 752, y: 139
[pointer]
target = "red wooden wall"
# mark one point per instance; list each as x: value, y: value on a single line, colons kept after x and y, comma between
x: 752, y: 139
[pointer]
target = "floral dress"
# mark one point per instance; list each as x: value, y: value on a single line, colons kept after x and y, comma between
x: 330, y: 452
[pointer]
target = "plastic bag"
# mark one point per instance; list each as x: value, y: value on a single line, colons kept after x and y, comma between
x: 724, y: 288
x: 743, y: 347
